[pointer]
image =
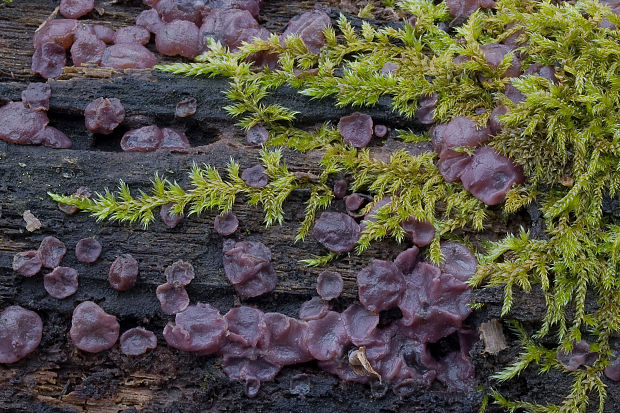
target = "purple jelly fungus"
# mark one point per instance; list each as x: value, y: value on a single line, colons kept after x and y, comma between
x: 173, y: 140
x: 356, y: 129
x: 513, y: 94
x: 380, y: 285
x: 340, y: 188
x: 123, y: 272
x: 313, y: 309
x: 256, y: 135
x: 51, y: 250
x: 579, y: 356
x: 104, y: 33
x: 354, y: 202
x: 433, y: 304
x: 48, y: 60
x: 226, y: 223
x: 495, y: 124
x: 248, y: 267
x: 494, y: 54
x: 53, y: 138
x: 231, y: 27
x: 144, y: 139
x: 288, y: 340
x: 132, y: 34
x: 336, y: 231
x: 246, y: 326
x: 128, y: 56
x: 179, y: 273
x: 255, y: 177
x: 87, y: 49
x: 73, y: 9
x: 381, y: 131
x: 59, y: 31
x: 92, y: 329
x: 612, y: 371
x: 61, y: 283
x: 173, y: 298
x: 390, y: 68
x: 81, y: 192
x: 20, y: 333
x: 137, y: 341
x: 27, y: 263
x: 461, y: 9
x: 186, y: 107
x: 87, y: 250
x: 426, y: 109
x: 406, y: 260
x: 329, y: 285
x: 327, y: 337
x: 103, y: 115
x: 359, y: 323
x: 169, y: 218
x: 37, y: 96
x: 149, y: 19
x: 490, y: 176
x: 421, y: 232
x: 178, y: 38
x: 200, y: 328
x: 309, y: 26
x: 460, y: 132
x: 458, y: 261
x: 171, y: 10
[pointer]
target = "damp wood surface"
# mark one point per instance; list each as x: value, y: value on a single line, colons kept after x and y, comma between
x: 58, y: 378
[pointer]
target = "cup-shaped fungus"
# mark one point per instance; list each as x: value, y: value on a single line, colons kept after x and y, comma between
x: 327, y: 336
x: 226, y: 223
x: 59, y: 31
x: 247, y: 265
x: 340, y: 188
x: 255, y: 176
x: 123, y: 272
x: 179, y: 273
x: 173, y: 298
x: 169, y: 218
x: 144, y: 139
x: 132, y: 34
x: 458, y: 261
x: 580, y: 355
x: 27, y: 263
x: 359, y: 323
x: 288, y: 340
x: 407, y: 259
x: 256, y: 135
x: 313, y: 309
x: 178, y: 38
x: 51, y: 250
x: 173, y: 140
x: 87, y: 48
x: 231, y: 27
x: 103, y: 115
x: 87, y: 250
x: 336, y: 231
x: 20, y: 333
x: 421, y: 232
x: 73, y: 9
x: 329, y: 284
x: 612, y: 371
x: 426, y: 109
x: 186, y: 107
x: 128, y: 56
x: 495, y: 124
x: 309, y: 26
x: 61, y: 283
x: 92, y: 329
x: 200, y: 328
x: 356, y: 129
x: 380, y: 285
x: 494, y: 54
x: 246, y: 325
x: 149, y: 19
x: 461, y: 9
x: 137, y: 341
x: 104, y: 33
x: 37, y: 96
x: 52, y: 138
x: 20, y: 125
x: 171, y: 10
x: 353, y: 202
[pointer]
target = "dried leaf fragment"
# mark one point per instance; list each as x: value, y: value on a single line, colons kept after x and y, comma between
x: 361, y: 365
x: 493, y: 336
x: 32, y: 223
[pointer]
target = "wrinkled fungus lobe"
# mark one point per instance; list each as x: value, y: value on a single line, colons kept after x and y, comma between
x: 92, y: 329
x: 426, y: 109
x: 200, y: 328
x: 179, y: 273
x: 173, y: 298
x: 179, y: 37
x: 231, y: 27
x: 329, y: 284
x: 37, y: 96
x: 327, y: 336
x: 226, y: 223
x: 356, y: 129
x: 169, y: 218
x: 353, y: 202
x: 421, y: 232
x: 132, y: 34
x: 48, y: 60
x: 144, y: 139
x: 336, y: 231
x: 73, y: 9
x: 59, y: 31
x: 359, y: 323
x: 580, y: 355
x: 288, y: 338
x: 247, y: 265
x: 20, y: 333
x: 27, y: 263
x: 309, y: 26
x: 380, y: 285
x: 87, y: 48
x: 255, y: 177
x: 52, y: 138
x: 313, y: 309
x: 61, y: 283
x: 613, y: 370
x: 87, y: 250
x: 123, y: 272
x: 51, y: 250
x: 186, y: 107
x: 103, y: 115
x: 149, y: 19
x: 340, y: 188
x: 173, y: 140
x: 137, y: 341
x: 128, y: 56
x: 458, y: 261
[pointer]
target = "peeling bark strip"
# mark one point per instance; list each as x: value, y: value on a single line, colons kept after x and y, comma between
x: 493, y: 337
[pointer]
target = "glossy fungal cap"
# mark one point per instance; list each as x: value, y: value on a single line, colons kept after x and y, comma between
x: 51, y: 250
x: 87, y: 49
x: 48, y: 60
x: 451, y: 168
x: 580, y: 355
x: 421, y: 232
x: 353, y: 202
x: 248, y: 267
x: 59, y: 31
x: 20, y: 333
x: 255, y: 176
x: 150, y: 20
x: 359, y: 323
x: 61, y: 283
x: 246, y: 325
x: 179, y: 273
x: 458, y: 261
x: 256, y: 135
x: 490, y: 176
x: 356, y: 129
x: 513, y: 94
x: 73, y: 9
x: 186, y: 107
x: 87, y: 250
x: 231, y: 27
x: 327, y: 337
x: 336, y: 231
x: 173, y: 140
x: 173, y: 298
x: 494, y: 53
x: 136, y: 341
x: 178, y: 38
x: 103, y: 33
x: 128, y: 56
x: 407, y: 259
x: 132, y: 34
x: 380, y: 285
x: 123, y: 272
x: 340, y: 188
x: 496, y: 125
x: 200, y: 328
x: 426, y: 109
x: 458, y: 133
x: 37, y: 96
x: 189, y: 10
x: 92, y: 329
x: 329, y: 285
x: 27, y: 263
x: 252, y: 371
x: 103, y: 115
x: 19, y: 124
x: 613, y: 370
x: 309, y: 26
x: 461, y: 9
x: 169, y: 218
x: 52, y: 138
x: 313, y: 309
x: 456, y: 371
x: 380, y: 131
x: 287, y: 341
x: 433, y: 304
x: 226, y: 223
x: 144, y: 139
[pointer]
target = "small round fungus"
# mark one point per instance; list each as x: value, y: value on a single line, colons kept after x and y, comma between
x: 48, y: 60
x: 87, y: 250
x: 389, y: 68
x: 172, y: 10
x: 329, y: 284
x: 37, y: 96
x: 613, y: 370
x: 426, y: 109
x: 103, y: 115
x: 309, y: 26
x: 353, y: 202
x: 128, y: 56
x: 336, y: 231
x: 246, y: 325
x: 123, y: 272
x: 186, y: 107
x: 178, y: 38
x: 61, y: 283
x: 340, y: 188
x: 420, y: 232
x: 173, y: 140
x: 59, y: 31
x: 173, y: 298
x: 495, y: 124
x: 104, y: 33
x: 359, y: 323
x: 169, y: 218
x: 356, y: 129
x: 51, y: 250
x: 255, y: 176
x: 256, y: 135
x: 144, y: 139
x: 406, y: 260
x: 132, y: 34
x: 179, y: 273
x: 27, y: 263
x: 327, y: 337
x: 200, y: 328
x: 380, y: 285
x: 580, y: 355
x: 137, y: 341
x: 92, y: 329
x: 52, y: 138
x: 248, y: 267
x: 313, y: 309
x: 458, y: 261
x: 149, y: 19
x: 73, y: 9
x: 494, y: 54
x: 381, y: 131
x: 20, y: 333
x: 226, y: 223
x: 87, y: 49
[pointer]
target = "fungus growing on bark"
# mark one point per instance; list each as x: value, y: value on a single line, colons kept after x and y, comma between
x: 458, y: 261
x: 353, y: 202
x: 200, y: 328
x: 309, y: 26
x: 37, y: 96
x: 128, y: 56
x: 420, y: 232
x: 87, y: 250
x: 356, y: 129
x: 381, y: 285
x: 136, y: 341
x: 178, y: 37
x: 340, y: 188
x: 247, y: 265
x: 173, y: 298
x: 123, y: 272
x: 59, y: 31
x: 186, y: 107
x: 144, y: 139
x: 171, y: 10
x: 132, y: 34
x: 257, y: 135
x: 612, y: 371
x: 407, y: 259
x: 92, y: 329
x: 313, y: 309
x: 104, y: 33
x: 27, y: 263
x: 179, y: 273
x: 61, y: 283
x: 359, y: 323
x: 87, y: 48
x: 327, y: 336
x: 426, y: 109
x: 48, y: 60
x: 51, y: 250
x: 226, y: 223
x: 288, y: 340
x: 73, y: 9
x: 52, y: 138
x: 20, y: 333
x: 81, y: 192
x: 103, y: 115
x: 169, y: 218
x: 255, y: 176
x: 173, y: 140
x: 329, y: 285
x: 231, y: 27
x: 580, y: 355
x: 150, y: 20
x: 336, y: 231
x: 380, y: 131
